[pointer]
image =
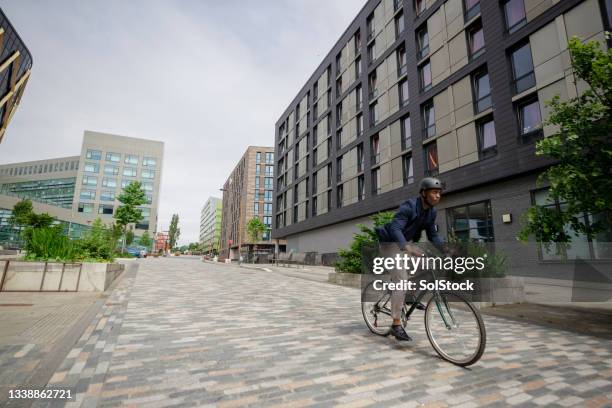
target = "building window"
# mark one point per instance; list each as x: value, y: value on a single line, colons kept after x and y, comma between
x: 374, y: 113
x: 91, y: 167
x: 339, y: 139
x: 425, y: 76
x: 147, y: 186
x: 530, y: 119
x: 90, y: 181
x: 268, y: 196
x: 372, y: 51
x: 403, y: 93
x: 472, y: 8
x: 125, y: 183
x: 375, y: 181
x: 256, y: 208
x: 147, y: 173
x: 422, y: 43
x: 429, y: 120
x: 407, y: 169
x: 86, y: 208
x: 339, y: 195
x: 339, y: 114
x: 375, y: 145
x: 431, y: 159
x: 107, y: 195
x: 339, y: 63
x: 339, y: 86
x: 522, y: 69
x: 358, y: 98
x: 149, y: 162
x: 514, y: 11
x: 268, y: 182
x: 581, y: 246
x: 359, y: 125
x: 269, y: 158
x: 268, y: 208
x: 129, y: 171
x: 482, y: 92
x: 93, y: 154
x: 476, y: 41
x: 113, y: 157
x: 419, y: 6
x: 471, y: 223
x: 370, y: 26
x: 357, y: 43
x: 329, y: 175
x: 111, y: 170
x: 360, y: 157
x: 372, y: 85
x: 358, y: 67
x: 406, y: 133
x: 339, y: 169
x: 360, y: 188
x: 109, y: 182
x: 88, y: 194
x: 257, y: 169
x: 258, y: 157
x: 131, y: 159
x: 486, y: 137
x: 314, y: 206
x: 105, y: 209
x: 401, y: 61
x: 256, y: 182
x: 270, y: 171
x: 399, y: 25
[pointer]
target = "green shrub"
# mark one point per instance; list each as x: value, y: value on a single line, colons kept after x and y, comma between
x: 50, y: 243
x: 97, y: 244
x: 351, y: 259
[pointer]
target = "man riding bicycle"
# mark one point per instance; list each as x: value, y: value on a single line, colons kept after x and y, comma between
x: 412, y: 217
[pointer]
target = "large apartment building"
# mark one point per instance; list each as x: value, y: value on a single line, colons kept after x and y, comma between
x: 451, y: 88
x: 15, y: 67
x: 248, y: 193
x: 78, y: 189
x: 210, y: 225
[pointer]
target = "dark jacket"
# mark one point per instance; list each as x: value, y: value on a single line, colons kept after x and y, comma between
x: 408, y: 223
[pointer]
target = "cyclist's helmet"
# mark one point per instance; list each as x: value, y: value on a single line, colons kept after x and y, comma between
x: 430, y: 182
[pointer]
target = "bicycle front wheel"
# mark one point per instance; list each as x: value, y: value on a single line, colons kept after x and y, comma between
x: 455, y: 328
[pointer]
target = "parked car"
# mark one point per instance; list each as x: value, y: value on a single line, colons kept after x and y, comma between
x: 137, y: 251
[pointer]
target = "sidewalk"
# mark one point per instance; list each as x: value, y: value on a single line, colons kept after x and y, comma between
x: 594, y: 319
x: 38, y: 330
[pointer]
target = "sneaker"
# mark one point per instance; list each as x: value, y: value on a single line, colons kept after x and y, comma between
x: 399, y: 333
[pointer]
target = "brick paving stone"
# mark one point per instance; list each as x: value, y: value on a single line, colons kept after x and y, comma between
x: 185, y: 333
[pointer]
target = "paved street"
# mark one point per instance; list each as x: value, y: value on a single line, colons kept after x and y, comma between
x: 186, y: 333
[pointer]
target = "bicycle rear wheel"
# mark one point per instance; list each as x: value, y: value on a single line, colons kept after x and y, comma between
x: 455, y: 328
x: 376, y: 310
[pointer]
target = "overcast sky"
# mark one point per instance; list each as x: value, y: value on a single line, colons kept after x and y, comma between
x: 208, y: 78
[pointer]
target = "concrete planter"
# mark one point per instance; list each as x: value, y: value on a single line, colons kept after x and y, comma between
x: 345, y: 279
x: 501, y: 291
x: 21, y: 276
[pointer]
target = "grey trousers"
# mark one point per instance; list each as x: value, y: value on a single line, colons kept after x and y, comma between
x: 389, y: 250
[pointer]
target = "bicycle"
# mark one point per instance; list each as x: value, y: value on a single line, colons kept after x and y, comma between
x: 443, y: 324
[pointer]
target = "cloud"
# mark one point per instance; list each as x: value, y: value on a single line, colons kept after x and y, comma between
x: 207, y: 78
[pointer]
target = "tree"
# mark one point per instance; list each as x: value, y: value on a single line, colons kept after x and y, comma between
x: 255, y: 229
x: 581, y: 177
x: 128, y: 212
x: 145, y: 240
x: 129, y: 237
x: 351, y: 259
x: 96, y: 242
x: 24, y: 217
x: 174, y: 232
